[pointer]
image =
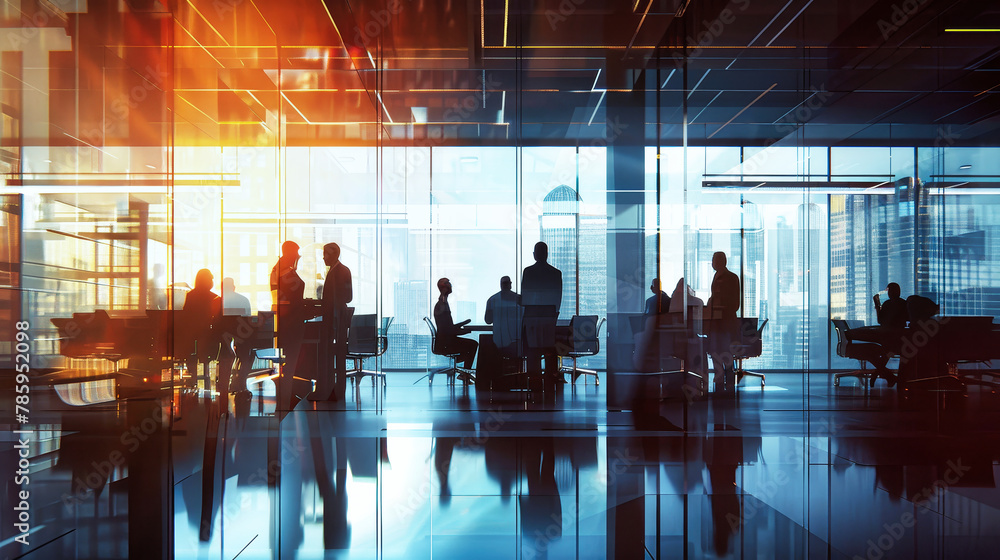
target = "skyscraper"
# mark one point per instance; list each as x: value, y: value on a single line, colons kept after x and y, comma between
x: 560, y: 223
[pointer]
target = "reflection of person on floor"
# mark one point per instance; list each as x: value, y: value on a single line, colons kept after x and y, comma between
x: 659, y: 302
x: 503, y: 311
x: 449, y: 333
x: 337, y: 293
x: 541, y: 296
x: 724, y: 325
x: 541, y: 507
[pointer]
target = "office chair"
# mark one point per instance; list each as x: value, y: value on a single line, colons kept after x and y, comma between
x: 365, y: 340
x: 750, y: 345
x: 451, y: 370
x: 862, y: 352
x: 668, y: 337
x: 585, y: 332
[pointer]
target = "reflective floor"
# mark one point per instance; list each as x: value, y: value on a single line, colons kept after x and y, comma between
x: 799, y: 470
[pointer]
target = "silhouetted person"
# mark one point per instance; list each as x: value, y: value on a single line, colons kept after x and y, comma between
x: 722, y: 307
x: 234, y: 303
x: 157, y: 290
x: 449, y: 333
x: 541, y: 295
x: 287, y: 290
x: 695, y: 307
x: 659, y: 302
x: 892, y: 313
x: 202, y: 309
x: 920, y: 308
x: 337, y: 293
x: 892, y: 318
x: 503, y: 311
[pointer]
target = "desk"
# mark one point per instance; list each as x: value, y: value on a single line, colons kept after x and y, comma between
x: 478, y: 328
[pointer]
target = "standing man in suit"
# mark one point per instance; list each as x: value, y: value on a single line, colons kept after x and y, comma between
x: 337, y: 293
x: 541, y: 295
x: 722, y: 307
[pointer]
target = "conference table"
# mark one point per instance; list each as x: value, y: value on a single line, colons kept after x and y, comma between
x: 489, y: 362
x: 930, y: 350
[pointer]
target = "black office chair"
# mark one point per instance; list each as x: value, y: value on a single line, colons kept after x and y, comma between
x: 584, y: 340
x: 863, y: 352
x: 451, y: 370
x: 749, y: 345
x: 365, y: 340
x: 666, y: 338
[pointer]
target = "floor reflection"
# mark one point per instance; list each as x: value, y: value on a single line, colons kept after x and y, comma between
x: 438, y: 472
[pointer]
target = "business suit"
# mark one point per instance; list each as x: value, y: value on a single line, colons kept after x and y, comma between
x: 337, y: 293
x: 504, y: 313
x: 723, y: 305
x: 541, y: 296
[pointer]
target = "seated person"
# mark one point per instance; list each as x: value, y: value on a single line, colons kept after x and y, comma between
x: 892, y: 318
x: 449, y: 333
x: 892, y: 313
x: 694, y: 352
x: 659, y: 302
x: 503, y: 311
x: 202, y: 309
x: 920, y: 308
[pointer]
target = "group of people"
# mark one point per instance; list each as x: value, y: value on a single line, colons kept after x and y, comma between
x: 203, y: 309
x: 523, y: 323
x: 722, y: 308
x: 893, y: 316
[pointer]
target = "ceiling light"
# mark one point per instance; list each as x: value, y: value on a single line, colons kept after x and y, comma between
x: 973, y: 30
x: 966, y: 166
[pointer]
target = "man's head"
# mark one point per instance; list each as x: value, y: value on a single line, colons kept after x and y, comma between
x: 331, y: 254
x: 289, y: 249
x: 718, y: 261
x: 228, y: 285
x: 893, y: 290
x: 541, y: 252
x: 204, y: 280
x: 654, y: 286
x: 505, y: 283
x: 444, y: 286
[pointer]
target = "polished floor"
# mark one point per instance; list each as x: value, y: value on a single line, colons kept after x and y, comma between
x: 800, y: 469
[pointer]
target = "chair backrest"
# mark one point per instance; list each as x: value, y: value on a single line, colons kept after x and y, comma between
x: 384, y: 330
x: 584, y: 332
x: 751, y: 343
x: 507, y: 322
x: 840, y: 326
x: 434, y: 333
x: 362, y: 338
